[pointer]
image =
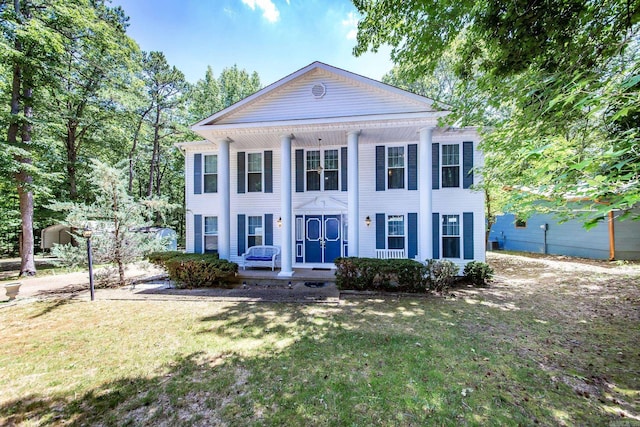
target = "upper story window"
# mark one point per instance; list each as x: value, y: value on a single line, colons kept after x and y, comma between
x: 330, y: 170
x: 395, y: 232
x: 210, y: 173
x: 313, y: 171
x: 395, y: 167
x: 254, y: 172
x: 521, y: 222
x: 451, y: 165
x: 322, y: 170
x: 451, y: 236
x: 211, y: 234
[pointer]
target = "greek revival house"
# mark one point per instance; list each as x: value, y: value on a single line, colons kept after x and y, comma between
x: 326, y: 163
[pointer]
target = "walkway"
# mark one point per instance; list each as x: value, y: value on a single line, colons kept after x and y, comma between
x: 150, y: 282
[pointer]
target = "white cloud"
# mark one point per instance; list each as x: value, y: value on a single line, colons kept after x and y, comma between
x: 269, y: 10
x: 351, y: 25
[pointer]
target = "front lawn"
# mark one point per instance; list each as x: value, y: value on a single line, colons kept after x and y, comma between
x: 507, y: 355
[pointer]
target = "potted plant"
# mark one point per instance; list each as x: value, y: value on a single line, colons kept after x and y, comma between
x: 12, y: 290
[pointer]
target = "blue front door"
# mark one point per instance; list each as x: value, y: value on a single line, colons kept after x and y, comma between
x: 322, y: 238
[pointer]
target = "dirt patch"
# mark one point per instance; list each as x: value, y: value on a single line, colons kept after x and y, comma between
x: 578, y: 320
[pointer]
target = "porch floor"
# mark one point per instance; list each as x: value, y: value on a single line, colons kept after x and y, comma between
x: 299, y: 275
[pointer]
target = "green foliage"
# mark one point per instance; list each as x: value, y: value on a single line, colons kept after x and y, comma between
x: 441, y: 274
x: 113, y: 218
x: 397, y: 275
x: 559, y: 82
x: 478, y: 273
x: 197, y: 270
x: 210, y: 95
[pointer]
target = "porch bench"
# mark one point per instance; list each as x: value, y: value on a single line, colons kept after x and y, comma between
x: 261, y: 256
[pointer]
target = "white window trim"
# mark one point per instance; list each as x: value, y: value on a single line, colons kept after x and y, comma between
x: 404, y: 167
x: 322, y: 152
x: 204, y: 231
x: 246, y: 172
x: 262, y: 222
x: 459, y: 235
x: 442, y: 165
x: 404, y: 226
x: 204, y: 155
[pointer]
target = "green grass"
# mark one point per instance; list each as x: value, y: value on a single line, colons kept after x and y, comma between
x: 430, y: 361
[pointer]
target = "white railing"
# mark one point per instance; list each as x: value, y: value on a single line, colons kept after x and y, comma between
x: 390, y: 253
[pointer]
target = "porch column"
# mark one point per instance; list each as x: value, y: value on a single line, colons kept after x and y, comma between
x: 224, y: 189
x: 353, y: 212
x: 425, y: 180
x: 286, y: 249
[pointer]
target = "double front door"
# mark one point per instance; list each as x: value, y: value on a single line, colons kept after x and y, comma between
x: 323, y: 238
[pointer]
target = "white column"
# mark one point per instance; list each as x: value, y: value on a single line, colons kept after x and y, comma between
x: 425, y: 180
x: 286, y: 250
x: 224, y: 190
x: 353, y: 198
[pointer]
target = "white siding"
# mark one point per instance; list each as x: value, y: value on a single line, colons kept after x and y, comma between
x: 295, y: 101
x: 395, y: 201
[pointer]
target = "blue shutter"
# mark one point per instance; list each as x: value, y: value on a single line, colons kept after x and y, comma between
x: 467, y: 234
x: 413, y: 235
x: 380, y: 169
x: 435, y: 217
x: 299, y: 171
x: 467, y: 164
x: 197, y: 174
x: 242, y: 238
x: 435, y: 166
x: 241, y: 173
x: 268, y: 171
x: 268, y: 229
x: 197, y: 234
x: 380, y: 232
x: 412, y: 163
x: 343, y: 171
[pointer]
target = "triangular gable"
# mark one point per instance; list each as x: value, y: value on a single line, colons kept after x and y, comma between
x: 320, y: 91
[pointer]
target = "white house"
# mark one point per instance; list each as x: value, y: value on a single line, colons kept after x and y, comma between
x: 326, y: 163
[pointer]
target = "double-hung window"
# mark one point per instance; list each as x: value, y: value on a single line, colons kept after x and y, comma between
x: 451, y: 236
x: 254, y: 172
x: 210, y: 234
x: 254, y: 235
x: 322, y: 170
x: 395, y: 232
x: 210, y: 173
x: 395, y: 167
x: 314, y: 171
x: 451, y: 165
x: 330, y: 170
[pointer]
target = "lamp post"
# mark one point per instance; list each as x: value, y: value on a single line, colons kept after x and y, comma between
x: 87, y: 235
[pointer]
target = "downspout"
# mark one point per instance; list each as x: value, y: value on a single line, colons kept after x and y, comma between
x: 612, y: 238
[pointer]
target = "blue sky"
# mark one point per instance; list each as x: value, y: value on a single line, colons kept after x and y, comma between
x: 272, y: 37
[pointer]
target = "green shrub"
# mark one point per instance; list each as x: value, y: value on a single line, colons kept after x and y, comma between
x: 158, y: 258
x: 197, y: 270
x: 398, y: 275
x: 441, y: 274
x: 478, y: 273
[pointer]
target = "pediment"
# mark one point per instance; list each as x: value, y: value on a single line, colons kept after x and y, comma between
x: 323, y: 204
x: 319, y: 91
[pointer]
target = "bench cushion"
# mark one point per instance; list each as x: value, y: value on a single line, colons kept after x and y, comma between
x: 258, y: 258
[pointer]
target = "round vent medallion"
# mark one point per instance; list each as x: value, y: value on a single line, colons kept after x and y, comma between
x: 318, y: 90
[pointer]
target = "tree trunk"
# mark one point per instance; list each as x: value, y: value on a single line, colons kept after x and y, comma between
x: 22, y: 178
x: 156, y: 151
x: 72, y: 159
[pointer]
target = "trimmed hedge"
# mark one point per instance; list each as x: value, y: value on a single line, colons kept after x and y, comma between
x: 397, y: 275
x: 197, y: 270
